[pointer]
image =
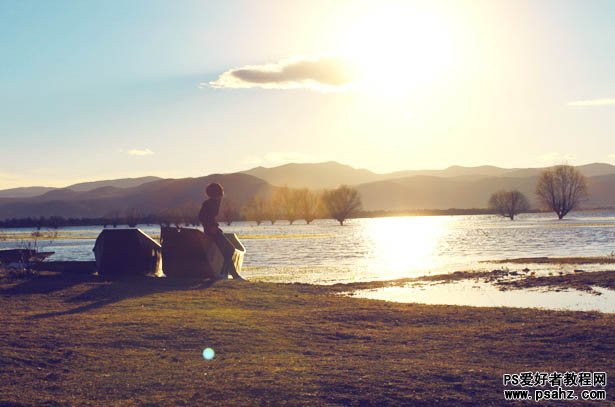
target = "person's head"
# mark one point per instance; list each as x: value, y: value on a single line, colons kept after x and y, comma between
x: 214, y: 190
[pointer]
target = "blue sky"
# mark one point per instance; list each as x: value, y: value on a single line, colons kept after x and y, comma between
x: 95, y: 90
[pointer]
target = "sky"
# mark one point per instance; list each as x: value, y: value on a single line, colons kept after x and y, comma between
x: 94, y: 90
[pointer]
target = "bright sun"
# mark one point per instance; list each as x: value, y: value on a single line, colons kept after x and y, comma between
x: 397, y: 47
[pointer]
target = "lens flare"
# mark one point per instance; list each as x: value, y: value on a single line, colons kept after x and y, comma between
x: 208, y: 354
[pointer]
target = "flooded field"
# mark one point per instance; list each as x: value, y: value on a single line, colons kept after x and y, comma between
x: 480, y: 294
x: 380, y: 248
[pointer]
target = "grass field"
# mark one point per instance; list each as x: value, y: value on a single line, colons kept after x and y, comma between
x: 69, y: 339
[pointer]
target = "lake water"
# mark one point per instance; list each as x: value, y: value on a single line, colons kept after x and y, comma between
x: 380, y: 248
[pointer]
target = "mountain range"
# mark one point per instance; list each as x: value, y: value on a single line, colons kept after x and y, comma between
x: 146, y: 198
x: 453, y: 187
x: 27, y: 192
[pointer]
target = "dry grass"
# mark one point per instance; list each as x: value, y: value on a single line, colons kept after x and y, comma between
x: 75, y: 340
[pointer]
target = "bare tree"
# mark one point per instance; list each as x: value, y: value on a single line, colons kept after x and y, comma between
x: 132, y: 216
x: 509, y: 203
x: 114, y: 217
x: 308, y: 204
x: 187, y: 214
x: 561, y: 189
x: 272, y: 208
x: 342, y: 203
x: 228, y: 211
x: 287, y: 200
x: 171, y: 216
x: 255, y: 210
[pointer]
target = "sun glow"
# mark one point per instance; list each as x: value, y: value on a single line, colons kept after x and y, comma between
x: 405, y: 246
x: 397, y: 47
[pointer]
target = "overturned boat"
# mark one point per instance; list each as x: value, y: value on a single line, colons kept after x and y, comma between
x: 126, y: 252
x: 189, y: 253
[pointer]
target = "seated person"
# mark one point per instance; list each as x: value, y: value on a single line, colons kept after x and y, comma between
x: 207, y: 216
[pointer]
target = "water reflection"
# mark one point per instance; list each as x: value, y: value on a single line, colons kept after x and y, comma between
x: 382, y: 248
x: 399, y: 246
x: 485, y: 295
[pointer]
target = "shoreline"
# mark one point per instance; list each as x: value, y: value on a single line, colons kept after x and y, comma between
x: 21, y: 223
x: 502, y: 278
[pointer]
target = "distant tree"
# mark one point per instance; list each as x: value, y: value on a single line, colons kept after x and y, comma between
x: 55, y: 222
x: 308, y: 204
x: 561, y: 189
x: 286, y: 198
x: 171, y: 216
x: 132, y: 216
x: 187, y: 213
x: 255, y: 210
x: 114, y: 217
x: 229, y: 211
x: 273, y: 208
x: 509, y: 203
x: 342, y: 203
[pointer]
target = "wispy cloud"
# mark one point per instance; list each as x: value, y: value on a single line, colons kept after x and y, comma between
x: 593, y: 102
x: 324, y: 74
x: 138, y: 152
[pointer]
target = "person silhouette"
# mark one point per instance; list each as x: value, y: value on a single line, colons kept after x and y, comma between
x: 207, y: 216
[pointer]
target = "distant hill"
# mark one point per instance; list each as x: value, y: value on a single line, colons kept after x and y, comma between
x: 589, y: 170
x: 27, y: 192
x: 118, y: 183
x: 315, y: 176
x: 428, y: 192
x: 453, y: 187
x: 24, y: 192
x: 149, y: 198
x: 333, y: 174
x: 454, y: 171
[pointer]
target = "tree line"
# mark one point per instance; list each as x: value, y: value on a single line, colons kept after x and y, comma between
x: 559, y: 189
x: 283, y: 203
x: 295, y: 204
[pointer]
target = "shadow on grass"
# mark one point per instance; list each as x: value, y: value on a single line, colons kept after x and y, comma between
x: 48, y: 283
x: 103, y: 292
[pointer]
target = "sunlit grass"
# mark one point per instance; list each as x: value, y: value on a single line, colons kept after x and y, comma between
x: 142, y: 343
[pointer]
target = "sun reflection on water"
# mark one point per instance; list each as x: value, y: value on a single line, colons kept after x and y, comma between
x: 402, y: 245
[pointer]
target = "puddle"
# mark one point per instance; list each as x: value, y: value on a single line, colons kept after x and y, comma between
x: 481, y: 294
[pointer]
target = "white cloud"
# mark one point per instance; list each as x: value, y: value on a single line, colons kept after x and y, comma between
x: 324, y: 74
x: 593, y: 102
x: 139, y: 153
